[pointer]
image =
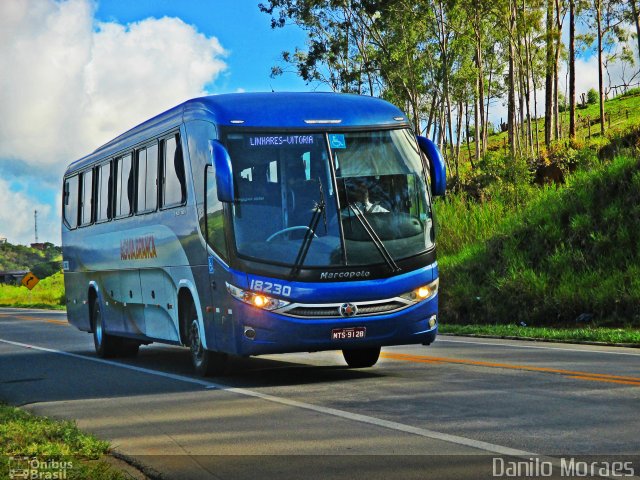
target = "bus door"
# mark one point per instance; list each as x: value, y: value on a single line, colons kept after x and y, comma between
x: 213, y: 228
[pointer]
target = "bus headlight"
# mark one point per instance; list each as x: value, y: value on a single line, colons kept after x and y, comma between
x: 422, y: 293
x: 256, y: 299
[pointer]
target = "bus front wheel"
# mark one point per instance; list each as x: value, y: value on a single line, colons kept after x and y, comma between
x: 361, y: 357
x: 107, y: 346
x: 205, y: 362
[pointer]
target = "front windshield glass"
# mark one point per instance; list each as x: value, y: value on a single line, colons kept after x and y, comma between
x: 380, y: 177
x: 285, y: 190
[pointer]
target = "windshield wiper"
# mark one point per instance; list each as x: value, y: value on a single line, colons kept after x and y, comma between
x: 374, y: 237
x: 319, y: 209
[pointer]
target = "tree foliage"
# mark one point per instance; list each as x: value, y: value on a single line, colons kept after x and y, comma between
x: 447, y: 63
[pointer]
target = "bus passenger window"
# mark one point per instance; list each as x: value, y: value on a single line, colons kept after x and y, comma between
x: 124, y: 186
x: 103, y: 183
x: 70, y: 209
x: 87, y: 198
x: 173, y: 178
x: 148, y: 179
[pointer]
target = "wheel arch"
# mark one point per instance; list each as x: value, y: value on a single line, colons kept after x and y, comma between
x: 187, y: 294
x: 93, y: 295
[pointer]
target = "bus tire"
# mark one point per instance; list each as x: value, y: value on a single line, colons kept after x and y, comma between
x: 128, y: 348
x: 205, y: 362
x: 107, y: 346
x: 361, y: 357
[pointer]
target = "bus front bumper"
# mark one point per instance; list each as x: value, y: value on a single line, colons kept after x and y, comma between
x: 258, y: 332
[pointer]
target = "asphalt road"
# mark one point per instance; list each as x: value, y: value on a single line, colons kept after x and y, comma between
x: 445, y: 411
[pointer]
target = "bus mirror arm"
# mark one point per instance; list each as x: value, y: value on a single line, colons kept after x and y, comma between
x: 224, y: 171
x: 437, y: 168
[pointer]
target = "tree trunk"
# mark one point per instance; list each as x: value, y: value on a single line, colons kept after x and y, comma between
x: 511, y: 113
x: 475, y: 98
x: 636, y: 21
x: 477, y: 106
x: 432, y: 115
x: 572, y: 69
x: 598, y: 4
x: 482, y: 138
x: 485, y: 134
x: 556, y: 90
x: 548, y: 94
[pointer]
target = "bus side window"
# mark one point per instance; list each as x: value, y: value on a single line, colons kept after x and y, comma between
x: 124, y: 186
x: 147, y: 171
x: 103, y: 183
x: 86, y: 198
x: 70, y: 207
x: 173, y: 176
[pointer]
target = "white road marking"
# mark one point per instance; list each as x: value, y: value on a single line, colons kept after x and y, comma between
x: 400, y: 427
x: 422, y: 432
x: 559, y: 348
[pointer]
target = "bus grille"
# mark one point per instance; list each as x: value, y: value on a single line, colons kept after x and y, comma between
x: 332, y: 310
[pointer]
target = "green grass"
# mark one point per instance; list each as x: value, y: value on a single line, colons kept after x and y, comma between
x: 25, y: 435
x: 563, y: 253
x: 600, y: 335
x: 48, y: 293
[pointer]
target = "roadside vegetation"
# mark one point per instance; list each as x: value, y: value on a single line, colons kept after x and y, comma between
x: 569, y: 255
x: 610, y: 336
x: 58, y: 446
x: 48, y: 293
x: 42, y: 262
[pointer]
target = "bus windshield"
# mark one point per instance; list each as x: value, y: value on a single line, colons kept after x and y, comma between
x: 293, y: 206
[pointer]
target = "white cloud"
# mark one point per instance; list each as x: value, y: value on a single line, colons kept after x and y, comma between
x: 69, y: 84
x: 16, y: 217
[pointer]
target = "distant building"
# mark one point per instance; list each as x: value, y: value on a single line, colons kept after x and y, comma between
x: 39, y: 246
x: 3, y: 240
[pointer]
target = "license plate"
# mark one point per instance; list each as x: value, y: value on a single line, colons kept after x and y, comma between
x: 351, y: 333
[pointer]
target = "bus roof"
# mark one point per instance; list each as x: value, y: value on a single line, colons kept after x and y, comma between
x: 300, y: 110
x: 275, y: 110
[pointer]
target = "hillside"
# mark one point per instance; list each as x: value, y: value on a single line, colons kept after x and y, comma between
x: 622, y: 114
x: 571, y: 256
x: 19, y: 257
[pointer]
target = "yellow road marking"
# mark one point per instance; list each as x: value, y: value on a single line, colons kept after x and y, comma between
x: 35, y: 319
x: 596, y: 377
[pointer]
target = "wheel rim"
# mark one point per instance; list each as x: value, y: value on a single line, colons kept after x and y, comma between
x: 98, y: 326
x: 197, y: 351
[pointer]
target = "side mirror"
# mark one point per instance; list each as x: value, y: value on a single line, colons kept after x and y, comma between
x: 224, y: 171
x: 437, y: 168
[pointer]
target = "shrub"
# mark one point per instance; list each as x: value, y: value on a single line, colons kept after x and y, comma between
x: 592, y: 96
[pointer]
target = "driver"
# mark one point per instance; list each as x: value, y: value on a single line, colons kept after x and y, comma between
x: 360, y: 197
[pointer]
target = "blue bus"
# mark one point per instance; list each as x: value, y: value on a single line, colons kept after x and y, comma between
x: 256, y: 223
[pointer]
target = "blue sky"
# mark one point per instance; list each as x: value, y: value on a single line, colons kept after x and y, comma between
x: 253, y: 46
x: 76, y: 73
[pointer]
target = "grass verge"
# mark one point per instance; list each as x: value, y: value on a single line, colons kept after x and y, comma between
x: 48, y: 293
x: 612, y: 336
x: 57, y: 449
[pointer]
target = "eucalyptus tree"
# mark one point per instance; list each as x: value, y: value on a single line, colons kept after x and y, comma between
x: 336, y: 53
x: 606, y: 17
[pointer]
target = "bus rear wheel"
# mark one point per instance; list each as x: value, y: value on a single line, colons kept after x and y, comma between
x: 361, y: 357
x: 107, y: 346
x: 205, y: 362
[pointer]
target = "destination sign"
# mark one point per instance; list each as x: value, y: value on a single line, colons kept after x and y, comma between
x: 279, y: 140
